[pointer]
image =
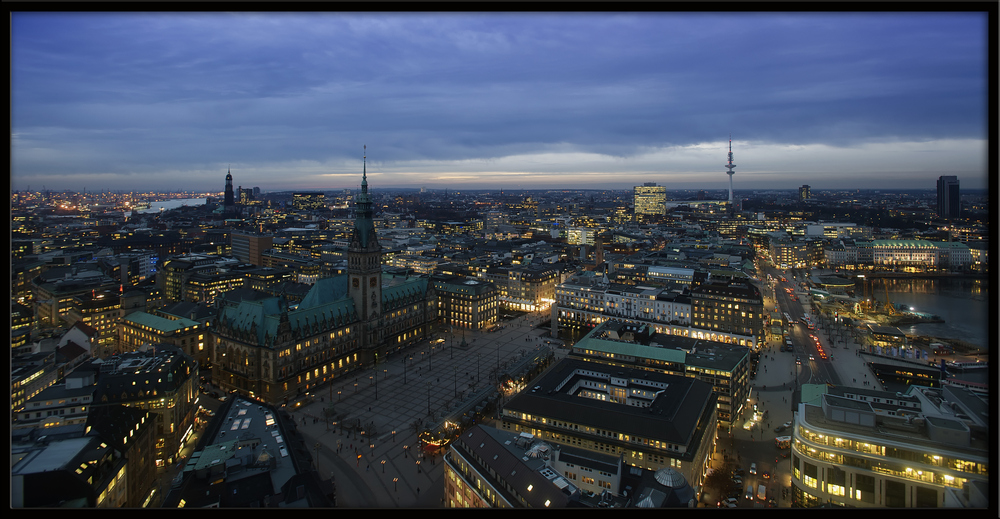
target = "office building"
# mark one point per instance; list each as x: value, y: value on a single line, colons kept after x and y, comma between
x: 161, y: 379
x: 528, y: 288
x: 948, y: 197
x: 585, y: 302
x: 650, y: 200
x: 249, y: 247
x: 487, y: 467
x: 723, y: 365
x: 924, y: 448
x: 653, y: 420
x: 309, y: 201
x: 805, y: 193
x: 734, y: 307
x: 142, y: 328
x: 176, y: 271
x: 466, y: 302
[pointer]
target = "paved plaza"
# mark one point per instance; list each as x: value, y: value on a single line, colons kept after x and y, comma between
x: 387, y: 468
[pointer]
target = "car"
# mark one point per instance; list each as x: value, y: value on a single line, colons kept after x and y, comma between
x: 798, y: 360
x: 779, y: 428
x: 767, y: 475
x: 811, y: 357
x: 787, y: 424
x: 749, y: 494
x: 753, y: 468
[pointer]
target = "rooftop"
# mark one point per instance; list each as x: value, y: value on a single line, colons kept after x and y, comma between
x: 664, y: 407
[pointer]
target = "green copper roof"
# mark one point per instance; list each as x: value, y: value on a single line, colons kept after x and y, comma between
x: 161, y: 324
x: 632, y: 349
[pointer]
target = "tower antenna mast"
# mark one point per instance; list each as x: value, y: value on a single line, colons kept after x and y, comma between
x: 730, y: 171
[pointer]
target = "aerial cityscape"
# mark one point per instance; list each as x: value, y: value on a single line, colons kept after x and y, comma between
x: 508, y: 260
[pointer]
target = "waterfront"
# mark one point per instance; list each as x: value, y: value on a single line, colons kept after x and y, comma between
x: 166, y: 205
x: 963, y: 304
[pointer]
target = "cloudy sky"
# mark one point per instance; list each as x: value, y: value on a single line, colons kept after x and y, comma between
x: 170, y: 101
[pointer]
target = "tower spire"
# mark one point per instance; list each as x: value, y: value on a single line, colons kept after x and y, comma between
x: 730, y: 167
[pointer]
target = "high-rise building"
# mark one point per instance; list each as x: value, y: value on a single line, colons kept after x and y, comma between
x: 948, y: 204
x: 650, y: 199
x: 805, y: 193
x: 246, y: 196
x: 308, y: 201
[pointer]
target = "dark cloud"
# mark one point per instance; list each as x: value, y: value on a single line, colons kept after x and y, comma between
x: 119, y: 93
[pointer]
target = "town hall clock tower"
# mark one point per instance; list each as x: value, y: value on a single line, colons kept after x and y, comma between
x: 364, y: 269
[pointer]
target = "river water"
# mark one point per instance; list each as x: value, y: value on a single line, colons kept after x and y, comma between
x: 963, y: 303
x: 166, y: 205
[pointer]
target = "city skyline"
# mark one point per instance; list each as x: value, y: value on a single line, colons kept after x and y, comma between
x: 508, y: 101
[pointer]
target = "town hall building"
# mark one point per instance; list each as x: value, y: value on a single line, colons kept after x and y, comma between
x: 268, y: 348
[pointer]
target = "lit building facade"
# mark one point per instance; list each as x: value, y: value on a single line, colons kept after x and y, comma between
x: 161, y: 379
x: 653, y: 420
x: 650, y: 199
x: 139, y: 328
x: 723, y: 365
x: 733, y: 308
x: 584, y: 305
x: 309, y: 201
x: 466, y: 302
x: 527, y: 288
x: 101, y: 312
x: 248, y: 247
x: 876, y: 450
x: 268, y: 349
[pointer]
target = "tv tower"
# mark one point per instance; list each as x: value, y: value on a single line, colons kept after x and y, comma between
x: 730, y: 167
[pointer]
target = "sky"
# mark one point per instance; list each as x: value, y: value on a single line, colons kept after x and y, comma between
x: 285, y: 101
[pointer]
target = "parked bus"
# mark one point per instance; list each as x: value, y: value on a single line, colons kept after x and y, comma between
x: 783, y: 442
